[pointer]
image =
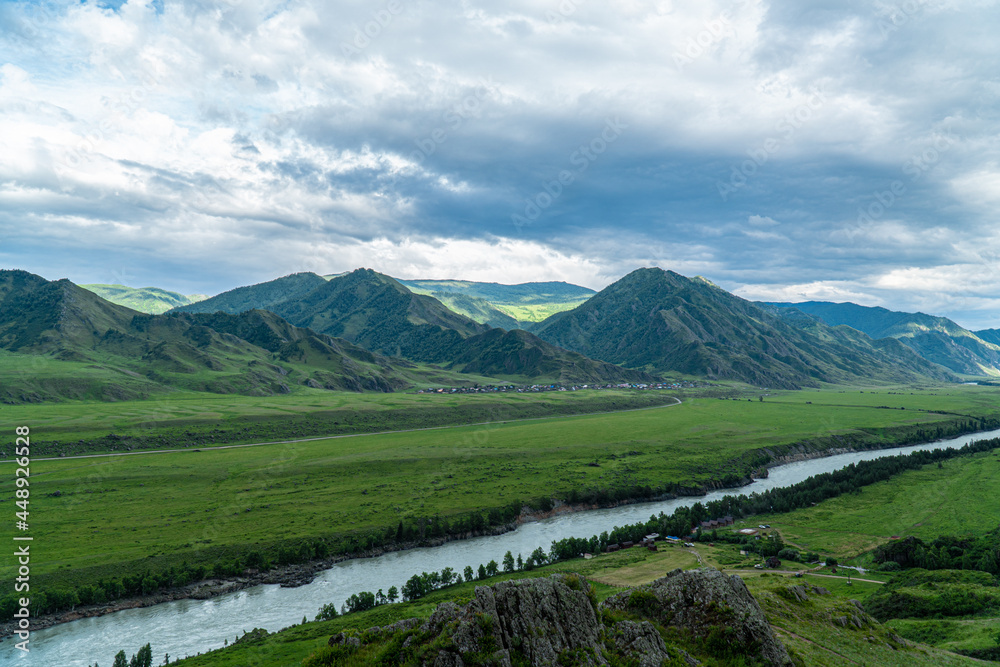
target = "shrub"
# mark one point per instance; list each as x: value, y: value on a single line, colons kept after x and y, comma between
x: 789, y: 554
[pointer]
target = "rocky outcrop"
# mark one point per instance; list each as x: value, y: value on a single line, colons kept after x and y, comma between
x: 557, y: 620
x: 709, y: 606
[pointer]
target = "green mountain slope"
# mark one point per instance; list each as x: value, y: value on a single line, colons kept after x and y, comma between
x: 989, y: 336
x: 138, y: 354
x: 151, y: 300
x: 380, y: 314
x: 525, y: 302
x: 477, y: 309
x: 661, y: 321
x: 263, y: 296
x: 936, y: 339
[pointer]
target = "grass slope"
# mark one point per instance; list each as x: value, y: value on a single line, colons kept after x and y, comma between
x: 475, y: 308
x: 263, y: 296
x: 152, y: 300
x: 525, y: 303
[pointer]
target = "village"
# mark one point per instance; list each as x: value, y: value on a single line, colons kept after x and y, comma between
x: 537, y: 388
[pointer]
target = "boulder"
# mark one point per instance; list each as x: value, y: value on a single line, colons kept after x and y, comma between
x: 706, y: 603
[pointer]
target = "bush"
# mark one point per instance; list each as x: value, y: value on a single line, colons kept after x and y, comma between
x: 789, y: 554
x: 889, y: 566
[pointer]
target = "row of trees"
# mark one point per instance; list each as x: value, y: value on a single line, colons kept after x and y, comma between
x: 144, y: 658
x: 421, y: 584
x: 947, y: 552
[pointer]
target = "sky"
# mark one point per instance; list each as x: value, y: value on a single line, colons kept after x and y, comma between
x: 789, y: 150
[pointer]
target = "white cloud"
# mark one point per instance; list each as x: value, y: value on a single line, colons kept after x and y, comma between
x: 227, y: 139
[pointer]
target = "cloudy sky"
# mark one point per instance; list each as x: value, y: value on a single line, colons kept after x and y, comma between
x: 792, y: 149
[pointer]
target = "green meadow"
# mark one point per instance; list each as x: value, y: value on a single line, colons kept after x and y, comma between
x: 205, y: 418
x: 958, y: 498
x: 104, y: 516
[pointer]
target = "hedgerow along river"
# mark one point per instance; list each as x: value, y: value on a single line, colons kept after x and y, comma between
x: 187, y: 627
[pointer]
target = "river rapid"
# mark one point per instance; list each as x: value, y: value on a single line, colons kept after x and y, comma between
x: 187, y: 627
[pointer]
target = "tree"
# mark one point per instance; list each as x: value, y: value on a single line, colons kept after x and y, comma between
x: 362, y: 601
x: 520, y: 563
x: 538, y: 557
x: 379, y: 597
x: 327, y: 612
x: 393, y: 594
x: 492, y: 568
x: 831, y: 561
x: 468, y: 573
x: 413, y: 588
x: 482, y: 571
x: 508, y: 562
x: 120, y: 660
x: 447, y: 576
x: 144, y: 658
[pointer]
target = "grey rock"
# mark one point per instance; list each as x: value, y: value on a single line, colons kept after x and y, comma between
x: 549, y: 621
x: 698, y: 600
x: 641, y: 640
x: 540, y: 618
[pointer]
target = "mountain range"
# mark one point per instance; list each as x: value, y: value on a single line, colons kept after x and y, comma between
x: 365, y: 330
x: 151, y: 300
x: 74, y: 332
x: 661, y: 321
x: 382, y: 315
x: 936, y: 339
x: 503, y: 304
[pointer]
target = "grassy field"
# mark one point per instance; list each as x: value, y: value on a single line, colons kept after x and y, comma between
x: 95, y: 517
x: 202, y: 418
x: 536, y: 312
x: 950, y: 634
x: 809, y: 629
x: 959, y: 497
x: 969, y: 400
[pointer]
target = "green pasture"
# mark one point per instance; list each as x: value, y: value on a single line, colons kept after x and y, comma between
x: 957, y: 498
x: 73, y: 420
x: 971, y: 400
